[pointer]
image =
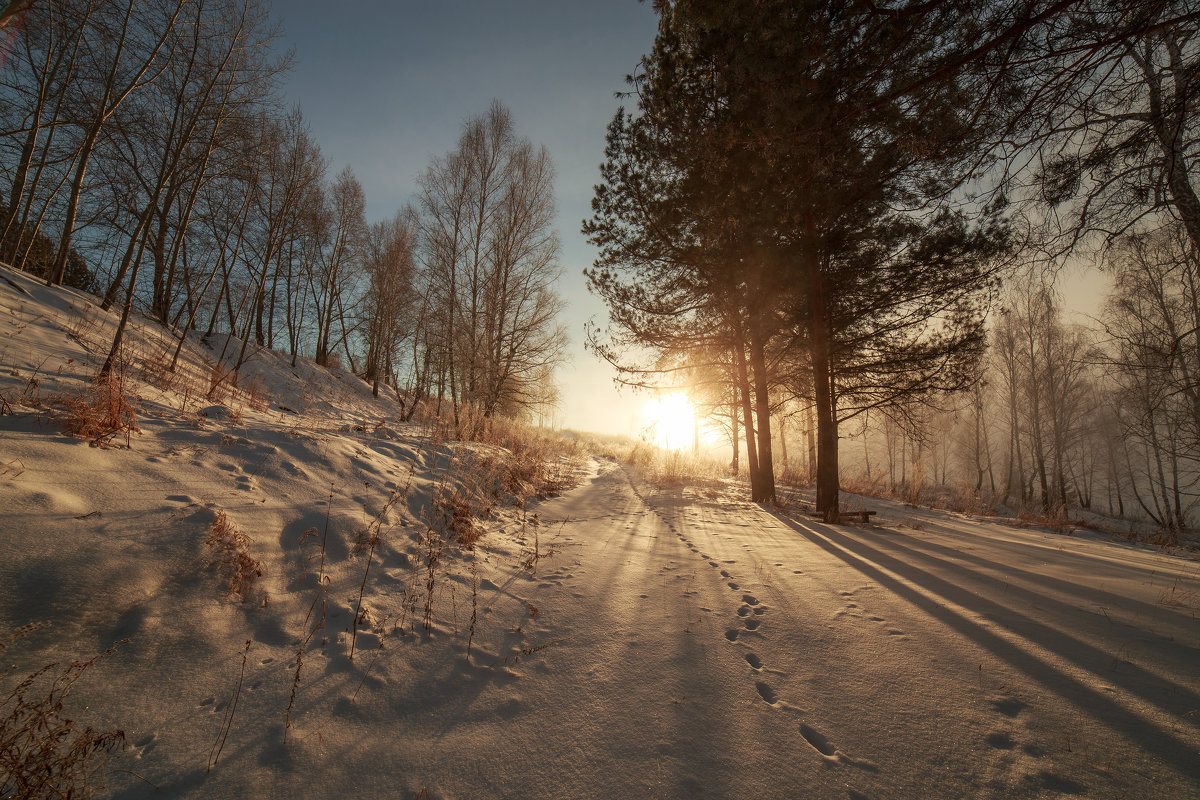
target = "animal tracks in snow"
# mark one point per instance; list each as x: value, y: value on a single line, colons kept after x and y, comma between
x: 750, y: 618
x: 1020, y: 767
x: 749, y: 622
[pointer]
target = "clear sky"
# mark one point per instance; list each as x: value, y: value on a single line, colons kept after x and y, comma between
x: 385, y: 86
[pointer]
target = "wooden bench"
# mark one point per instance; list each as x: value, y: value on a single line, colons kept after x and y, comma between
x: 847, y: 516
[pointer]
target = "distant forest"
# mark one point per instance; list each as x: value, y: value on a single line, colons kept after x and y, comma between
x: 147, y: 155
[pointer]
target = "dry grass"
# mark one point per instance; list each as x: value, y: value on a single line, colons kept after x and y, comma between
x: 219, y: 376
x: 43, y: 753
x: 257, y: 395
x: 154, y: 368
x: 673, y: 468
x: 1165, y: 538
x: 231, y: 552
x: 434, y: 548
x: 453, y: 515
x: 102, y: 412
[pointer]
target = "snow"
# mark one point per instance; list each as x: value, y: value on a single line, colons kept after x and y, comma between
x: 660, y: 641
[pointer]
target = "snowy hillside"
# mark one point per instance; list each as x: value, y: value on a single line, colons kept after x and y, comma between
x: 300, y: 491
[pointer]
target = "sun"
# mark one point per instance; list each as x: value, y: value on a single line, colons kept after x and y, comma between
x: 671, y: 421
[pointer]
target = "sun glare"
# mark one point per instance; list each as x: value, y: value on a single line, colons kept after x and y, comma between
x: 671, y: 421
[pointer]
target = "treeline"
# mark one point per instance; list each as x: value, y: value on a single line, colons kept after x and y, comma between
x: 148, y: 156
x: 810, y: 217
x: 1100, y: 417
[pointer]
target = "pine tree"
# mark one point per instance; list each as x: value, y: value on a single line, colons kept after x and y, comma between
x: 754, y: 182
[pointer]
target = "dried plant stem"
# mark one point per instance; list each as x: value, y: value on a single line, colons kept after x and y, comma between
x: 474, y: 607
x: 227, y: 722
x: 310, y: 628
x: 373, y: 538
x: 434, y: 546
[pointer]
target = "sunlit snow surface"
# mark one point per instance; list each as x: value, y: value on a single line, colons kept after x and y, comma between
x: 672, y: 642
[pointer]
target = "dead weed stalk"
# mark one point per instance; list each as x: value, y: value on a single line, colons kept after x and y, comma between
x: 103, y: 411
x: 43, y: 753
x: 368, y: 543
x: 231, y: 549
x: 312, y: 620
x: 227, y: 721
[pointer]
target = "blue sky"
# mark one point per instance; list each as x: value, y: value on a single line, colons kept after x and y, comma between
x: 385, y: 86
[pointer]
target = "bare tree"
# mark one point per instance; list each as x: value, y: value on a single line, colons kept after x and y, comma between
x: 390, y: 263
x: 134, y: 43
x: 37, y: 79
x: 492, y: 259
x: 1114, y: 119
x: 1153, y: 322
x: 331, y: 282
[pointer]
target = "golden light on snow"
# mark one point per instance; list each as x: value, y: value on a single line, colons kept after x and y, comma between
x: 671, y: 421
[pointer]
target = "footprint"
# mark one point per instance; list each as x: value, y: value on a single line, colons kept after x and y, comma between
x: 734, y: 586
x: 744, y: 611
x: 753, y: 660
x: 750, y: 599
x: 724, y: 573
x: 817, y: 740
x: 766, y: 692
x: 146, y: 744
x: 1009, y: 706
x: 751, y: 623
x: 1001, y: 740
x: 731, y: 634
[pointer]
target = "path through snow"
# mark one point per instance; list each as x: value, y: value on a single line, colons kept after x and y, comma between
x: 712, y: 649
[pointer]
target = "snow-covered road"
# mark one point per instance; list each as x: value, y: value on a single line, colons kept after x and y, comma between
x: 710, y: 649
x: 668, y: 643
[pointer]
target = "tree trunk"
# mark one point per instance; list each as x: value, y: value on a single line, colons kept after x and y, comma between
x: 827, y: 438
x: 59, y: 270
x: 766, y: 467
x: 811, y: 435
x: 733, y: 427
x: 747, y: 415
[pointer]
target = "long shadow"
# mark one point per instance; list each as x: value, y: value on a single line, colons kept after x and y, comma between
x: 1068, y: 587
x: 460, y: 686
x: 929, y: 551
x: 1181, y: 755
x: 1149, y: 687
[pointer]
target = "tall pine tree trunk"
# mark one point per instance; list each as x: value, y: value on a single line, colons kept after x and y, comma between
x: 747, y: 415
x: 766, y: 468
x: 827, y: 439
